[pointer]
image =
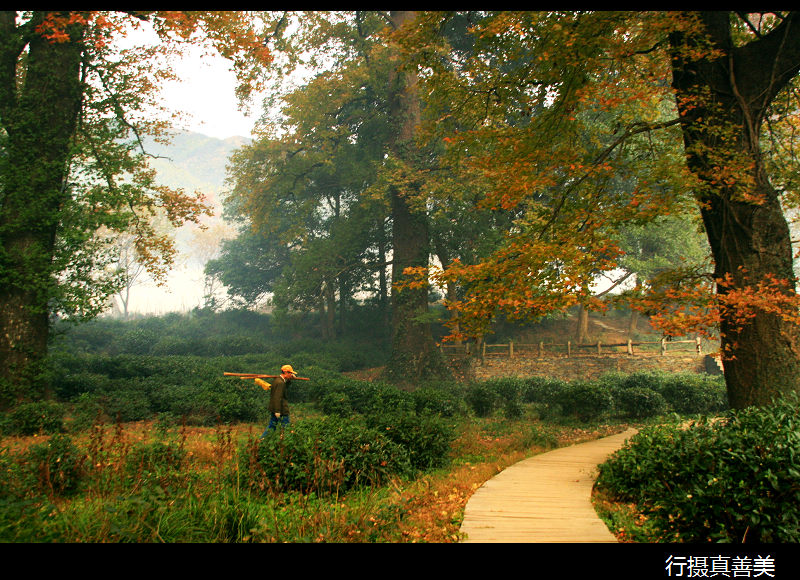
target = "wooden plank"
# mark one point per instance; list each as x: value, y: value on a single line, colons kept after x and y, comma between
x: 545, y: 498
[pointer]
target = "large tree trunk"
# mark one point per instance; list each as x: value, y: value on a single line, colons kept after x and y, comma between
x: 414, y: 352
x: 582, y: 328
x: 722, y: 102
x: 40, y: 118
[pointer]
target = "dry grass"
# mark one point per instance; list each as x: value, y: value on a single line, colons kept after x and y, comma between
x: 428, y: 509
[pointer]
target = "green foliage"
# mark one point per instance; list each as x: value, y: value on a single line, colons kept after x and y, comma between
x: 688, y: 393
x: 157, y: 462
x: 210, y: 401
x: 481, y: 399
x: 138, y: 341
x: 426, y: 438
x: 322, y: 456
x: 55, y: 467
x: 368, y: 398
x: 442, y: 399
x: 35, y: 417
x: 585, y: 401
x: 639, y: 402
x: 337, y: 404
x: 735, y: 480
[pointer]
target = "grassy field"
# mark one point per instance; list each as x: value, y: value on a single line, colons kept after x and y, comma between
x: 197, y: 499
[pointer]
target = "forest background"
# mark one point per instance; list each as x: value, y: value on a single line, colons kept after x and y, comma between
x: 459, y: 170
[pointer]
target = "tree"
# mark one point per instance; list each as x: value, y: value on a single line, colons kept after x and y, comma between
x: 306, y: 191
x: 556, y: 101
x: 666, y: 244
x: 73, y: 108
x: 345, y: 149
x: 413, y: 348
x: 727, y: 72
x: 129, y: 269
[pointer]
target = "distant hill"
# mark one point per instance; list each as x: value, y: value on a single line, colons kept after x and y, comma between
x: 194, y: 162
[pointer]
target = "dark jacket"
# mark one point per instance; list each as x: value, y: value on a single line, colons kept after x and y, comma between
x: 278, y: 403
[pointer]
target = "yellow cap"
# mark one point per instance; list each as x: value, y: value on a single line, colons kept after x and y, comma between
x: 288, y: 369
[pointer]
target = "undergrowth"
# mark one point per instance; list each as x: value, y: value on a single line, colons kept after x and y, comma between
x: 143, y: 482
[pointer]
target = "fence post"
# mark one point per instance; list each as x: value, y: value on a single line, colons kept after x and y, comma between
x: 510, y: 348
x: 598, y: 347
x: 663, y: 346
x: 630, y: 347
x: 569, y: 348
x: 699, y: 347
x: 541, y: 348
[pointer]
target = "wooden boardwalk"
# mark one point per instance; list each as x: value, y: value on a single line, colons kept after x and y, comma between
x: 545, y: 498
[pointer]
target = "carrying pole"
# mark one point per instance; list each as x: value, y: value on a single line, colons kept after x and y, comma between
x: 257, y: 376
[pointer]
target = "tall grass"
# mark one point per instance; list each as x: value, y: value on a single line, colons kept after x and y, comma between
x: 361, y: 461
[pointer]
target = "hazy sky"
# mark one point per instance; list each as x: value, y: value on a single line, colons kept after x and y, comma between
x: 207, y: 93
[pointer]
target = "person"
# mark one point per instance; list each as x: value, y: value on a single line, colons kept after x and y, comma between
x: 278, y: 402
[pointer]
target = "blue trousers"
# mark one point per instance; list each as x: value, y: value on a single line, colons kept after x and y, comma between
x: 273, y: 423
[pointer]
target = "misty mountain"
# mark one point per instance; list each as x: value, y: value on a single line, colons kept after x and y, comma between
x: 194, y: 162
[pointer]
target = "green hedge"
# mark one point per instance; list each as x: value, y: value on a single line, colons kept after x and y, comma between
x: 735, y: 480
x: 322, y: 456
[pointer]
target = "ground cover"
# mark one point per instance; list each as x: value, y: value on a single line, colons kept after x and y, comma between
x: 195, y: 498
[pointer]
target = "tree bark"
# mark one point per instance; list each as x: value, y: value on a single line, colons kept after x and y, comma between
x: 40, y: 119
x: 413, y: 349
x: 722, y: 102
x: 582, y: 329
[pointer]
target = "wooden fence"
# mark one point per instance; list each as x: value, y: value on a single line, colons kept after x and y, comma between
x: 512, y: 349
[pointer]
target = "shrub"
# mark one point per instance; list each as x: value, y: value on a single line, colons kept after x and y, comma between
x: 138, y: 341
x: 173, y: 345
x: 35, y: 417
x: 158, y: 461
x: 585, y: 401
x: 649, y: 380
x: 481, y: 399
x: 542, y: 390
x: 322, y: 456
x: 54, y: 467
x: 689, y: 394
x: 431, y: 400
x: 639, y: 402
x: 87, y: 409
x: 426, y: 438
x: 71, y: 384
x: 369, y: 398
x: 126, y: 404
x: 735, y: 480
x: 336, y: 404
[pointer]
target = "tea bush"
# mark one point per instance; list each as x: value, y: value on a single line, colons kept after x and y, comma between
x: 68, y: 385
x: 34, y: 417
x: 323, y: 456
x: 210, y: 402
x: 127, y: 404
x: 585, y: 401
x: 689, y: 393
x: 735, y: 480
x: 439, y: 400
x: 639, y: 402
x: 650, y: 380
x: 426, y: 438
x: 369, y: 398
x: 336, y: 404
x: 481, y: 399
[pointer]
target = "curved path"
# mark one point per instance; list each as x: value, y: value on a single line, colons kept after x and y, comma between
x: 545, y: 498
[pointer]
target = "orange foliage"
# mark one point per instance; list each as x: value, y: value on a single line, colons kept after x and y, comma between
x: 680, y: 305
